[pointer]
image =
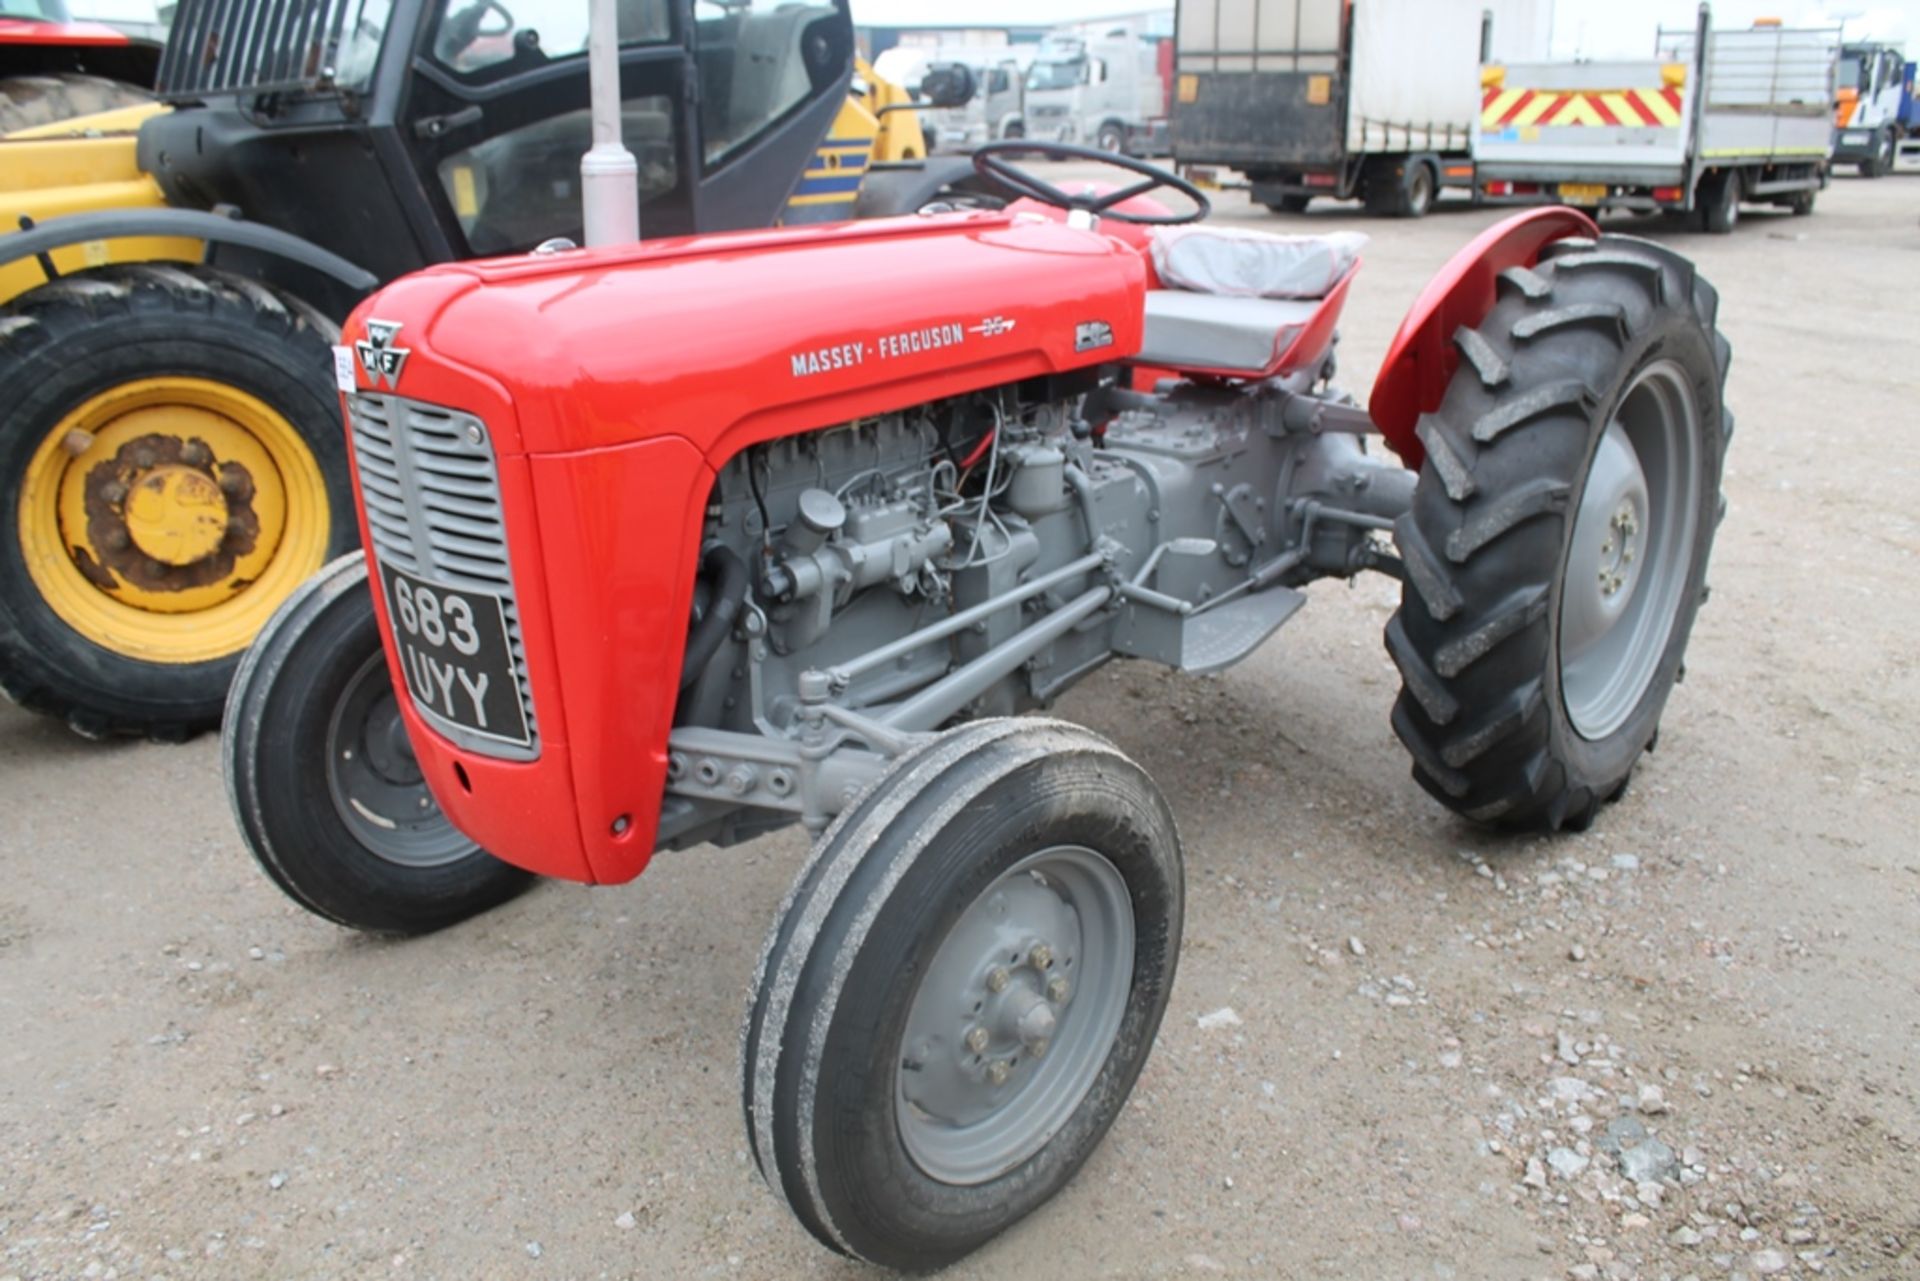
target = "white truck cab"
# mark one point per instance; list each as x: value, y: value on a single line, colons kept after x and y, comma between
x: 1105, y: 92
x: 1867, y: 128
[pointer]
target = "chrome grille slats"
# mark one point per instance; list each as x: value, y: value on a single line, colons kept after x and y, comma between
x: 433, y: 507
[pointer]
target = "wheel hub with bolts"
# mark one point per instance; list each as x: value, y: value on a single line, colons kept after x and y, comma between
x: 1631, y: 547
x: 1015, y: 1015
x: 375, y: 779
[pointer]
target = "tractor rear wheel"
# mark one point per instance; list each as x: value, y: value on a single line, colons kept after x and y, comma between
x: 1557, y: 546
x: 30, y: 101
x: 961, y: 990
x: 172, y: 466
x: 324, y: 785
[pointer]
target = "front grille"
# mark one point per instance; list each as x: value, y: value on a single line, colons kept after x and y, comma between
x: 227, y: 46
x: 431, y: 491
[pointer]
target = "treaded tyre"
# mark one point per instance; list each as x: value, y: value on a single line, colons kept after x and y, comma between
x: 1557, y: 546
x: 1720, y: 205
x: 961, y: 989
x: 324, y: 785
x: 1880, y: 163
x: 172, y: 466
x: 30, y: 101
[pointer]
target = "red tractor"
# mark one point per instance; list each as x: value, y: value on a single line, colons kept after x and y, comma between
x: 680, y: 542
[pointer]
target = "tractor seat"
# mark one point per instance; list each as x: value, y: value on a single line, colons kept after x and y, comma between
x: 1234, y: 299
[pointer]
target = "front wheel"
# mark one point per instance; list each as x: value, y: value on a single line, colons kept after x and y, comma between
x: 1881, y: 162
x: 1111, y: 139
x: 961, y: 990
x: 324, y: 784
x: 1557, y: 547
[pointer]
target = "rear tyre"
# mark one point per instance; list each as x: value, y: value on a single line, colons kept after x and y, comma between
x: 961, y: 990
x: 1289, y: 204
x: 1720, y: 202
x: 1557, y: 546
x: 172, y: 467
x: 1801, y: 203
x: 27, y: 102
x: 323, y: 780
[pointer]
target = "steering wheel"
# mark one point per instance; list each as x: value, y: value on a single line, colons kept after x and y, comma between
x: 459, y: 31
x: 989, y: 163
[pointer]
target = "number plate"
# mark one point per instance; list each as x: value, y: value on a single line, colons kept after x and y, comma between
x: 453, y: 648
x: 1583, y: 193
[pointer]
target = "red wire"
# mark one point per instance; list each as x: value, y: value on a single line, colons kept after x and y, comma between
x: 979, y: 450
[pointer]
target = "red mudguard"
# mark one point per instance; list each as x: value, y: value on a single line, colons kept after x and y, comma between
x: 1421, y: 360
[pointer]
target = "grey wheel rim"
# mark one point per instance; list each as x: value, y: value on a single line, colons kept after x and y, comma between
x: 375, y: 782
x: 1016, y: 1015
x: 1420, y: 191
x: 1632, y: 551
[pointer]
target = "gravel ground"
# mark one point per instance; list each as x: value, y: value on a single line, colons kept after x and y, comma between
x: 1681, y: 1045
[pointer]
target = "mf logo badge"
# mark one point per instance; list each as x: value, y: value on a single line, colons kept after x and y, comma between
x: 1091, y: 335
x: 993, y: 326
x: 379, y: 357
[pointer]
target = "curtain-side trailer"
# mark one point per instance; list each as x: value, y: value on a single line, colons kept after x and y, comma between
x: 1714, y: 119
x: 1341, y: 98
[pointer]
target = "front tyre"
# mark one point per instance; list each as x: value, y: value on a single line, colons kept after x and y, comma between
x: 961, y: 990
x: 1557, y: 547
x: 324, y: 785
x: 172, y: 466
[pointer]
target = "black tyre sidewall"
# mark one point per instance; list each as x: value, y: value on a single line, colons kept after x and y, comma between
x: 1601, y: 764
x: 1420, y: 176
x: 278, y: 773
x: 865, y: 1171
x: 72, y: 675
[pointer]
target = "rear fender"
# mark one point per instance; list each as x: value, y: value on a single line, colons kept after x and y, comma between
x: 1421, y: 359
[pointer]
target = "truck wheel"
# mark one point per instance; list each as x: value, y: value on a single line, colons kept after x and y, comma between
x: 1801, y: 203
x: 30, y: 101
x: 1416, y: 191
x: 961, y: 989
x: 323, y: 781
x: 172, y: 467
x: 1557, y: 546
x: 1289, y: 204
x: 1111, y: 138
x: 1720, y: 202
x: 1881, y: 162
x: 1401, y: 188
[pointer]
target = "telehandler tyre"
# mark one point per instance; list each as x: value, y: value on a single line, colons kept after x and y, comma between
x: 172, y: 466
x: 961, y: 989
x: 30, y: 101
x: 1557, y: 546
x: 323, y: 780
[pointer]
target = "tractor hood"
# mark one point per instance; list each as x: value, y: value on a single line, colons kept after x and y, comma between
x: 725, y: 340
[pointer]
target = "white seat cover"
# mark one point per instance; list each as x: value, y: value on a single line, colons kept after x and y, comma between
x: 1186, y: 330
x: 1239, y: 262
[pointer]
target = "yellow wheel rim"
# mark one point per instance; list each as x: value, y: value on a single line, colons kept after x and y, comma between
x: 166, y: 519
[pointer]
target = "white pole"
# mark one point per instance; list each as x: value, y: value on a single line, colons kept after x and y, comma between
x: 609, y: 175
